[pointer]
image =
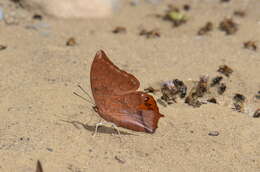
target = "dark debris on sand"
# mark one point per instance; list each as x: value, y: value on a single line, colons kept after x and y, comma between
x: 228, y: 26
x: 205, y: 29
x: 154, y: 33
x: 225, y: 70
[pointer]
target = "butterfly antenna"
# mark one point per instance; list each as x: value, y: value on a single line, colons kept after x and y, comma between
x: 83, y: 98
x: 85, y: 93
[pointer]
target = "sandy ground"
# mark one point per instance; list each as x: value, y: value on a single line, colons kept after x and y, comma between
x: 42, y: 120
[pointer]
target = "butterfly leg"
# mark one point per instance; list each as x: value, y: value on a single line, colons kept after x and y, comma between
x: 118, y: 132
x: 116, y: 128
x: 103, y: 123
x: 96, y: 128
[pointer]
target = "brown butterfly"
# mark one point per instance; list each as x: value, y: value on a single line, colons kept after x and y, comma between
x: 117, y: 99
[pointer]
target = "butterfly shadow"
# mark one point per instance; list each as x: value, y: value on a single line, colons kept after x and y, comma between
x: 101, y: 129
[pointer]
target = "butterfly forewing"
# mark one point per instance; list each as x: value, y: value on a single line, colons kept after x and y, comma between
x: 108, y: 79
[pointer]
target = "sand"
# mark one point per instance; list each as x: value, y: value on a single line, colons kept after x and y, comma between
x: 42, y: 120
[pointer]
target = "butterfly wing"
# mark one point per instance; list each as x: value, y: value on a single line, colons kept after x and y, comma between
x: 108, y: 80
x: 137, y: 111
x: 117, y: 100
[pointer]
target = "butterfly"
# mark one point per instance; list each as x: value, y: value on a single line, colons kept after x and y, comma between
x: 117, y: 99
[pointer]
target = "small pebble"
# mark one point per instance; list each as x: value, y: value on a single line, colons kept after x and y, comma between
x: 213, y: 133
x: 37, y: 17
x: 71, y: 42
x: 119, y: 29
x: 186, y: 7
x: 49, y: 149
x: 2, y: 47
